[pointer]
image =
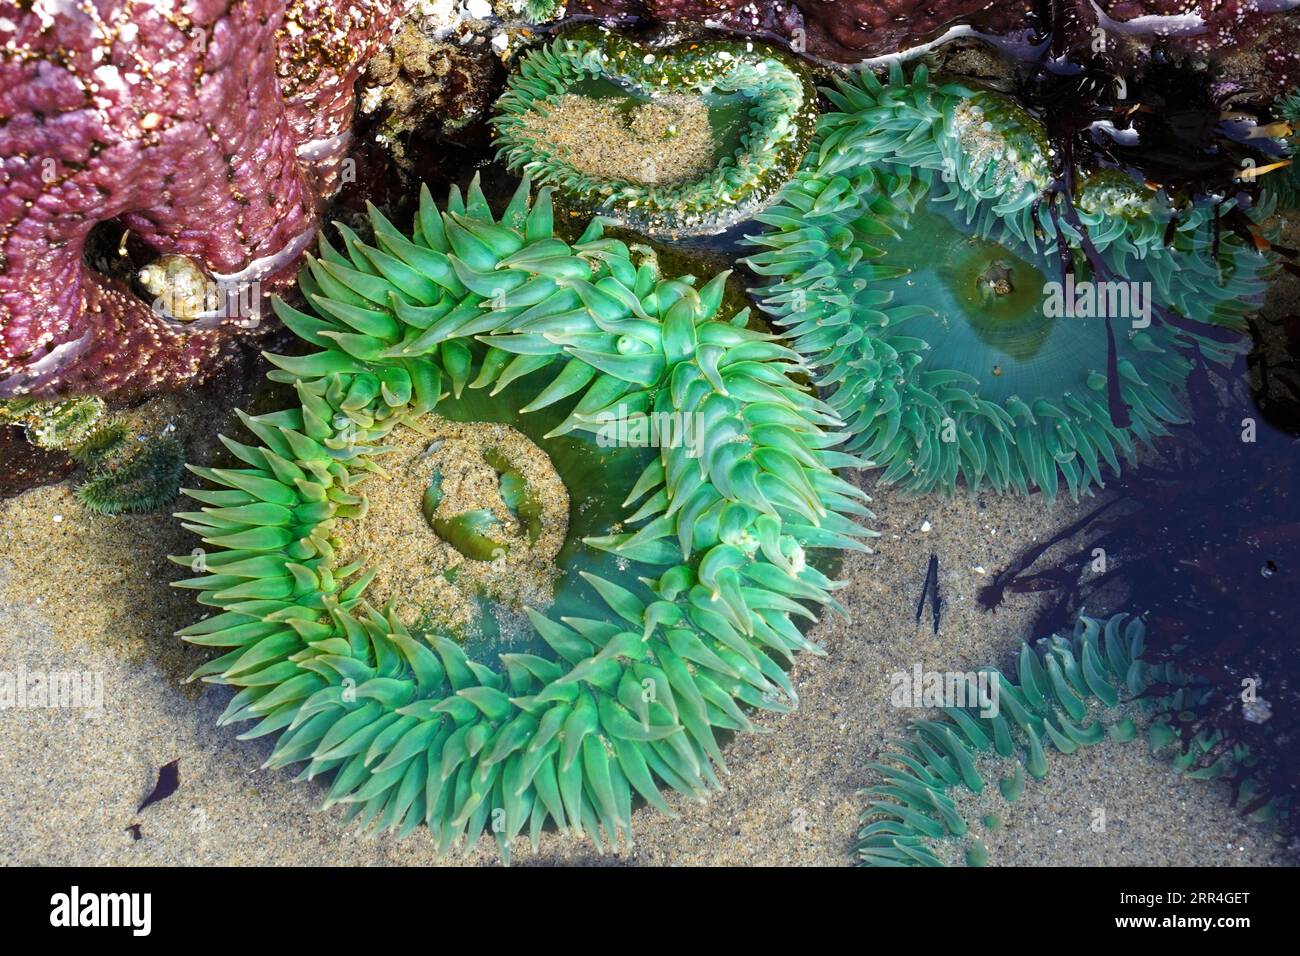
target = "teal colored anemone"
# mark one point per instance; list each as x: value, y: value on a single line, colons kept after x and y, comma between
x: 916, y: 260
x: 746, y: 113
x: 1069, y: 692
x: 614, y: 697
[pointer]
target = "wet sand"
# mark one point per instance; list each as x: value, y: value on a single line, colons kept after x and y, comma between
x: 91, y: 594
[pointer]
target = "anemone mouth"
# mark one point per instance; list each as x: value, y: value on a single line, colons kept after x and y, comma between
x: 683, y: 139
x: 986, y: 310
x: 681, y: 574
x: 919, y: 262
x: 987, y: 317
x: 450, y: 533
x: 445, y: 535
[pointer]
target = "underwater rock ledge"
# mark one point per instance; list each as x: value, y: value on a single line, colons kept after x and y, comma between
x: 853, y: 31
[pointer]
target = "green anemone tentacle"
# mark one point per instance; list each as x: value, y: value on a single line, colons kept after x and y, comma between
x: 1067, y: 692
x: 56, y: 426
x: 626, y: 698
x: 917, y: 261
x: 762, y: 112
x: 1284, y: 184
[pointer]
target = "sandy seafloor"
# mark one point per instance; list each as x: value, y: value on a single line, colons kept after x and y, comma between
x: 85, y: 593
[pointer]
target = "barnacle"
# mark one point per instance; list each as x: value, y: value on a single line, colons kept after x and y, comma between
x: 688, y: 139
x: 626, y: 682
x: 1069, y: 692
x: 964, y: 313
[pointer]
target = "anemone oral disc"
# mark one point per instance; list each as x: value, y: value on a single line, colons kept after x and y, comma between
x: 915, y: 260
x: 689, y: 138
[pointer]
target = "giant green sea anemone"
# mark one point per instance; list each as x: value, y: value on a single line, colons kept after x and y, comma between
x: 624, y: 682
x: 1069, y: 692
x: 919, y: 259
x: 682, y: 139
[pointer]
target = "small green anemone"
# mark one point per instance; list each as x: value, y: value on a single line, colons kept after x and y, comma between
x: 544, y: 11
x: 122, y: 476
x: 622, y: 686
x: 1069, y: 692
x: 917, y: 261
x: 56, y: 426
x: 1285, y: 184
x: 687, y: 139
x: 130, y: 480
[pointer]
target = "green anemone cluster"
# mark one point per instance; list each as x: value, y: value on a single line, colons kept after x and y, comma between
x: 917, y: 259
x: 1068, y: 692
x: 121, y: 477
x: 619, y: 700
x: 761, y: 107
x: 543, y: 11
x: 56, y: 426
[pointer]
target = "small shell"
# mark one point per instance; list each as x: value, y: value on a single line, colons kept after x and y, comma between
x: 182, y: 290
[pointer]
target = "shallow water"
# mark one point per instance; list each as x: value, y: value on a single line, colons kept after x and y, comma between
x: 77, y: 592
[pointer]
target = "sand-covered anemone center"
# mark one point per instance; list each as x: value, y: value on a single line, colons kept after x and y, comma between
x: 668, y: 139
x: 469, y: 521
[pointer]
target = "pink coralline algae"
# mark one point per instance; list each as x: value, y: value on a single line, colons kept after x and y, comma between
x: 849, y: 31
x: 207, y: 129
